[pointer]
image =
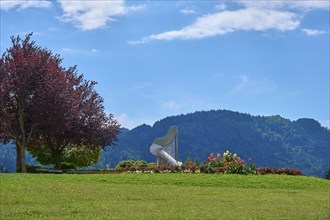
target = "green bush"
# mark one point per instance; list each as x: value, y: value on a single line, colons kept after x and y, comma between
x: 136, y: 164
x: 124, y: 164
x: 32, y: 168
x: 68, y: 166
x: 152, y: 166
x: 79, y: 156
x: 140, y: 164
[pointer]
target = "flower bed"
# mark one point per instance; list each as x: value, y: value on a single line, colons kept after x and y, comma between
x: 226, y: 163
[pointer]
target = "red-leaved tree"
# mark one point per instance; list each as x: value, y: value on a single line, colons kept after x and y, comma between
x: 23, y: 70
x: 76, y: 120
x: 45, y: 105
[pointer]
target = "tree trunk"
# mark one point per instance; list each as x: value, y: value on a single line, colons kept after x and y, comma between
x: 23, y: 137
x: 56, y: 153
x: 18, y: 159
x: 57, y: 157
x: 23, y: 165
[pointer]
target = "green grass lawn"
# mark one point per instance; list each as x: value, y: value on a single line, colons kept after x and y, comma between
x: 163, y: 196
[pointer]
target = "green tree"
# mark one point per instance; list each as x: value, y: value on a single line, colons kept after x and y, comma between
x: 77, y: 156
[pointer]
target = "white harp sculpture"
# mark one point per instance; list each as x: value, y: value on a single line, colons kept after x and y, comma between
x: 166, y: 148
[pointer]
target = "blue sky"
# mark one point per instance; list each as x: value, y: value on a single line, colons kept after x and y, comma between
x: 154, y: 59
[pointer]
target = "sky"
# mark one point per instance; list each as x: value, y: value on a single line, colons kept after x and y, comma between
x: 153, y: 59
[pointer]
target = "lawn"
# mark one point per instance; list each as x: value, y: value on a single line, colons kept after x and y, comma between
x: 163, y: 196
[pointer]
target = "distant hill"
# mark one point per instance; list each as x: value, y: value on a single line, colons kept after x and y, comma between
x: 270, y: 141
x: 8, y: 158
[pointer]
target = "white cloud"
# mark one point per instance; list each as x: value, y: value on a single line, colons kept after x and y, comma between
x: 88, y: 15
x: 171, y: 105
x: 136, y: 7
x: 220, y: 7
x: 243, y: 82
x: 79, y: 51
x: 142, y: 41
x: 253, y: 87
x: 281, y: 15
x: 311, y: 5
x: 188, y: 11
x: 37, y: 33
x: 249, y: 19
x: 66, y: 50
x: 140, y: 85
x: 127, y: 122
x: 284, y: 4
x: 312, y: 32
x: 183, y: 104
x: 94, y: 14
x: 52, y: 29
x: 20, y: 5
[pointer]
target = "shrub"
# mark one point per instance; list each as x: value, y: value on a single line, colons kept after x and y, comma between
x: 265, y: 170
x: 140, y: 164
x: 151, y: 166
x: 68, y: 166
x: 124, y: 164
x: 133, y: 165
x: 32, y: 168
x: 287, y: 171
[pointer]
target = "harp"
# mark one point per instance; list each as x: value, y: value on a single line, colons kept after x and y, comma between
x: 166, y: 148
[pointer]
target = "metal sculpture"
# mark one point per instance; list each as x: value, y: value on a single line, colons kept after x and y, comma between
x: 166, y: 148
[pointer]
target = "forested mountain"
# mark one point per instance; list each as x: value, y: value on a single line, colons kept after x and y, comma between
x: 8, y: 158
x: 270, y: 141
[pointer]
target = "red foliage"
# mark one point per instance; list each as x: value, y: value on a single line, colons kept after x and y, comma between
x: 24, y: 69
x: 44, y: 104
x: 287, y: 171
x: 265, y: 170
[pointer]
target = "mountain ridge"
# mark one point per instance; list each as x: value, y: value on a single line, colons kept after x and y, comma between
x: 270, y: 140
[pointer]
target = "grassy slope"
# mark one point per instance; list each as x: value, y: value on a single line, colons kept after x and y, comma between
x: 163, y: 196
